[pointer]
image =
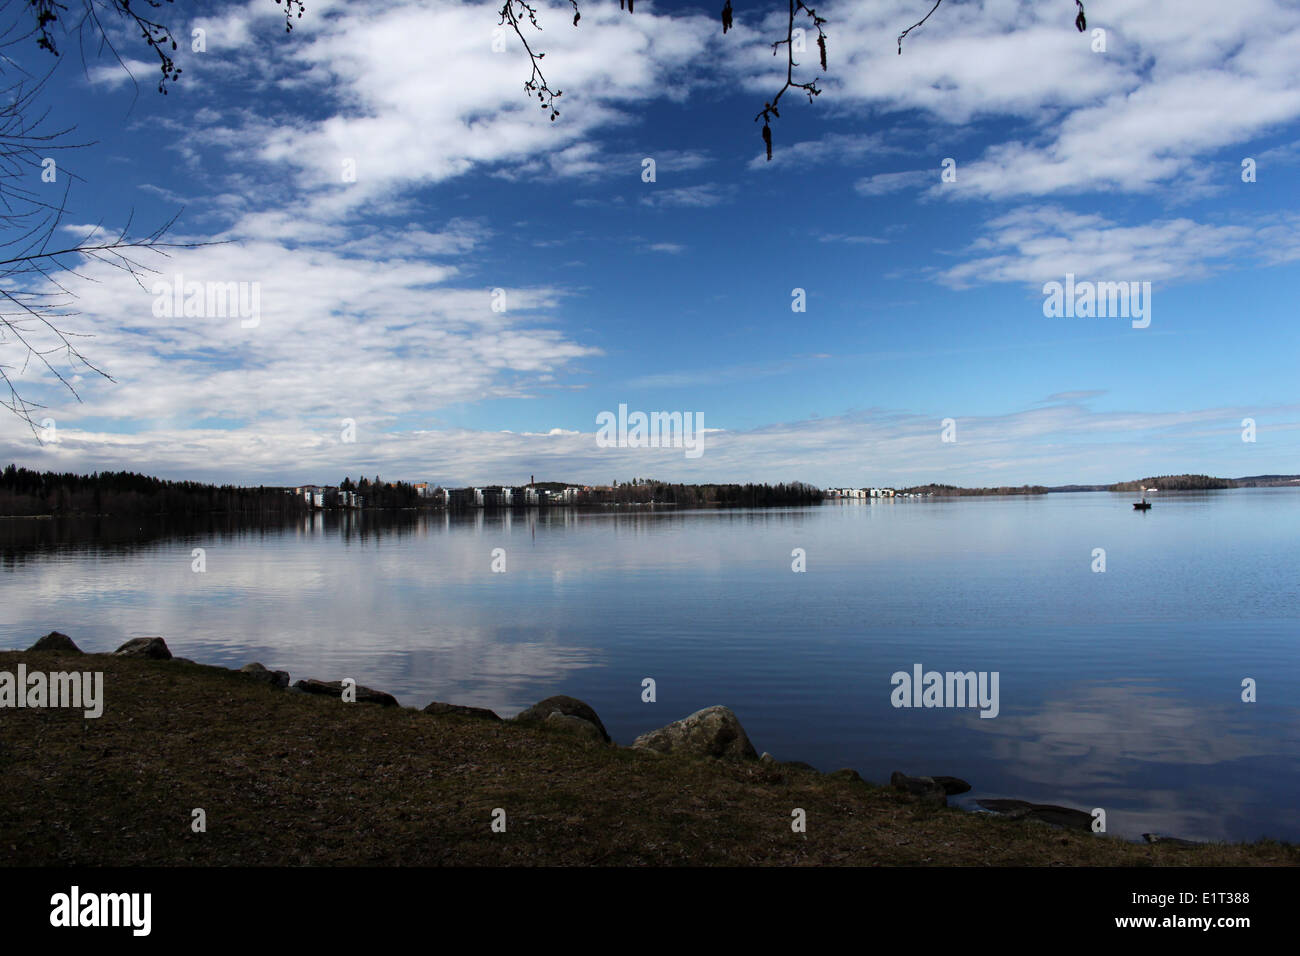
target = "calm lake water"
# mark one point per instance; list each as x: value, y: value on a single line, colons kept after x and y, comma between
x: 1119, y: 690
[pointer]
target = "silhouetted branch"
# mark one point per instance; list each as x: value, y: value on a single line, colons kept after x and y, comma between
x: 1080, y: 21
x: 32, y: 290
x: 513, y: 12
x: 769, y: 109
x: 916, y: 24
x: 537, y: 81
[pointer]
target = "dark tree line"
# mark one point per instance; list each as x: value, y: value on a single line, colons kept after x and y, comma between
x: 955, y: 492
x: 1175, y: 483
x: 24, y: 492
x: 645, y: 491
x: 378, y: 493
x: 27, y: 492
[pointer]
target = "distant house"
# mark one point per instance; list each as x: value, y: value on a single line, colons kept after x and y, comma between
x: 845, y: 493
x: 493, y: 496
x: 461, y: 497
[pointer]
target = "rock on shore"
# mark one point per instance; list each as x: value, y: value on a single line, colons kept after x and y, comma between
x: 259, y: 672
x: 927, y: 789
x: 334, y: 688
x: 54, y: 641
x: 154, y: 648
x: 1046, y: 812
x: 711, y: 732
x: 565, y: 706
x: 461, y: 710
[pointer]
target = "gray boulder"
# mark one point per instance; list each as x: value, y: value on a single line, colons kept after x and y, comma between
x: 275, y: 678
x: 54, y: 641
x: 154, y: 648
x: 1044, y: 812
x: 334, y: 688
x: 951, y: 785
x: 576, y: 726
x: 926, y: 789
x: 561, y: 704
x: 847, y: 773
x: 460, y: 710
x: 711, y: 732
x: 1170, y: 841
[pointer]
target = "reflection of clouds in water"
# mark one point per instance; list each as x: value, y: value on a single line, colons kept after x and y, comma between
x: 1117, y: 744
x: 394, y: 624
x: 461, y: 665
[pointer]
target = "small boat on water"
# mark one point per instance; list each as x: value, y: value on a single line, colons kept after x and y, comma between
x: 1143, y: 505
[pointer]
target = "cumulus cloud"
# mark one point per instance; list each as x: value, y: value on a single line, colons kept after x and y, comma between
x: 1034, y: 244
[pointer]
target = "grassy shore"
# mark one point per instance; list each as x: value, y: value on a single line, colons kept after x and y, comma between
x: 288, y: 779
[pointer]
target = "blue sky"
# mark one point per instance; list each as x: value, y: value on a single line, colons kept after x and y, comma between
x: 924, y: 297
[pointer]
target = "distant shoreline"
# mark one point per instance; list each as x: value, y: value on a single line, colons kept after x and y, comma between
x: 25, y: 493
x: 1293, y: 483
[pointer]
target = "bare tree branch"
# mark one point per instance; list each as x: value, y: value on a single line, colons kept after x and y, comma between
x: 1080, y: 21
x: 513, y: 12
x: 769, y: 109
x: 916, y: 24
x: 33, y: 268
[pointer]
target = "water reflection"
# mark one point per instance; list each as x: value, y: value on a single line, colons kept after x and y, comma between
x: 1119, y: 689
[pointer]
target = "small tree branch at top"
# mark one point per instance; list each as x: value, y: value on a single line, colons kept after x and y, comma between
x: 537, y: 81
x: 1080, y: 21
x: 514, y: 11
x: 769, y: 111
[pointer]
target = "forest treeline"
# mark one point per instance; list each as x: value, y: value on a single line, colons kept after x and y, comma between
x: 650, y: 491
x: 24, y: 492
x: 1175, y: 483
x: 954, y: 491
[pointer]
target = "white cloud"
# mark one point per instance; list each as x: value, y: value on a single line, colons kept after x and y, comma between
x: 338, y: 336
x: 1034, y: 244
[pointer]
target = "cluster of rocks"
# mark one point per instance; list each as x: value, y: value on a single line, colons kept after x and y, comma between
x: 713, y: 732
x: 155, y: 648
x: 935, y: 790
